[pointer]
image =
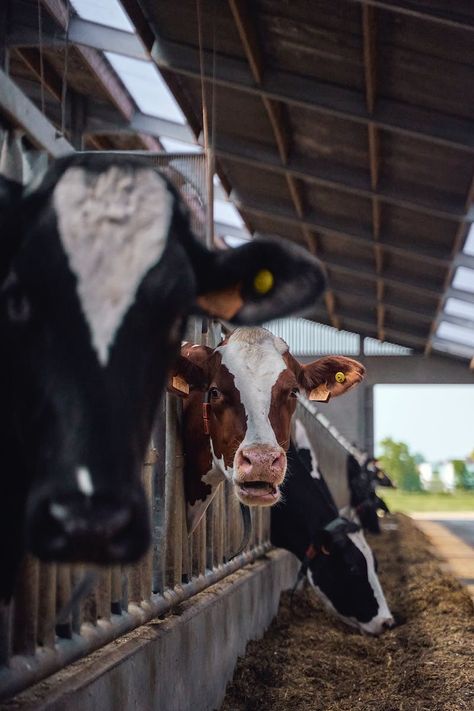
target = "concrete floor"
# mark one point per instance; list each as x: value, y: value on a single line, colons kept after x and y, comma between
x: 452, y: 536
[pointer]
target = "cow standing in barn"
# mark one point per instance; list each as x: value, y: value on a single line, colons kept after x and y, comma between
x: 336, y: 558
x: 237, y: 416
x: 98, y: 273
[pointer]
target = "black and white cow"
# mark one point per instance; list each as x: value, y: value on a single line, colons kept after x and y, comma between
x: 340, y: 564
x: 364, y: 499
x: 98, y: 273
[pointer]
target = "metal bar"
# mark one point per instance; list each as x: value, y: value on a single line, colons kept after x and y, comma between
x: 13, y: 680
x: 26, y: 608
x: 46, y: 604
x: 22, y: 113
x: 106, y: 39
x: 320, y: 97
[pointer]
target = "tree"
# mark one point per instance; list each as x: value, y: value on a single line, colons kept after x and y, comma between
x: 400, y: 464
x: 463, y: 476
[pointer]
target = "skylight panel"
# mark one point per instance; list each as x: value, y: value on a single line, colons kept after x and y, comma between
x: 232, y: 241
x: 147, y: 87
x: 171, y: 145
x: 458, y: 334
x: 104, y: 12
x: 464, y: 279
x: 226, y: 213
x: 469, y: 246
x: 457, y: 307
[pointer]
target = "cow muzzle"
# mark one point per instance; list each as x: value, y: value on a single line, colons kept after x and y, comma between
x: 101, y: 529
x: 259, y: 470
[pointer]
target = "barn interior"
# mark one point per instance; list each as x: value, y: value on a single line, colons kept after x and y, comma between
x: 344, y: 126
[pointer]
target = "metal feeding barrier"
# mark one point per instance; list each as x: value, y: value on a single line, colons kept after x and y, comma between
x: 34, y: 642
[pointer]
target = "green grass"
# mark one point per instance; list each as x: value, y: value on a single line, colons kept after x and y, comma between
x: 406, y: 502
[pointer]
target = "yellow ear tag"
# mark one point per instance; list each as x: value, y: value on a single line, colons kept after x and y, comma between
x: 340, y: 377
x: 263, y: 281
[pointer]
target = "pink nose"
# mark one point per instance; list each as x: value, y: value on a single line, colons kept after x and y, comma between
x: 261, y: 462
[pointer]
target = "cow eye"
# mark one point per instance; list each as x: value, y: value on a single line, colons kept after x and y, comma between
x: 294, y: 392
x: 214, y: 393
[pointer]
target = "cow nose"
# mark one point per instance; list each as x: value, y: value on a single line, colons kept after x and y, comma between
x: 94, y: 529
x: 388, y: 623
x: 263, y: 462
x: 253, y: 458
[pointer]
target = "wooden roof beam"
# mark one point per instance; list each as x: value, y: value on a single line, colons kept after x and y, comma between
x: 317, y: 96
x: 260, y: 156
x: 274, y: 211
x: 370, y: 70
x: 245, y: 24
x: 423, y: 11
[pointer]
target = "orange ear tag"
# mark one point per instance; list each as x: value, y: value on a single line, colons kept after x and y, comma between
x: 340, y: 377
x: 180, y: 385
x: 222, y: 304
x: 320, y: 394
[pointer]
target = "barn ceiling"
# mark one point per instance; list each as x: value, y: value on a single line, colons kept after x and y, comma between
x: 343, y: 125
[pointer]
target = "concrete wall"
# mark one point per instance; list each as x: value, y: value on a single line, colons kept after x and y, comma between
x: 180, y: 663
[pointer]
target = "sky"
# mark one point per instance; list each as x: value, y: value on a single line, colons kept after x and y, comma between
x: 435, y: 420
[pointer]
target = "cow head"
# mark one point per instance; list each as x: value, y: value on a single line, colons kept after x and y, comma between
x: 100, y: 271
x: 249, y: 386
x: 340, y: 565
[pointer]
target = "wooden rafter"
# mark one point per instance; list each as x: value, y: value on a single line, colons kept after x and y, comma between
x: 373, y: 140
x: 276, y: 114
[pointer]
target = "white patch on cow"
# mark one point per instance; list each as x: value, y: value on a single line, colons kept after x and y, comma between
x: 58, y: 511
x: 84, y: 481
x: 113, y: 226
x: 375, y: 626
x: 213, y: 478
x: 219, y: 466
x: 254, y: 357
x: 302, y: 442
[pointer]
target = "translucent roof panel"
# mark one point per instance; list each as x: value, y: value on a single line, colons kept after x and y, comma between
x: 469, y: 245
x: 464, y: 279
x: 457, y: 307
x: 226, y: 213
x: 458, y: 334
x: 171, y: 145
x: 104, y: 12
x: 147, y: 87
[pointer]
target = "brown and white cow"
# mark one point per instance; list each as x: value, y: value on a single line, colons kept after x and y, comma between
x: 238, y: 412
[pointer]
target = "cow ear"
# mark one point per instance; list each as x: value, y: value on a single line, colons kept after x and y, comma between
x: 330, y: 377
x: 189, y: 370
x: 259, y: 281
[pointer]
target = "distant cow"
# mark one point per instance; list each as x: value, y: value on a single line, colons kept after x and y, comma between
x: 364, y: 499
x: 98, y: 273
x: 340, y: 565
x: 237, y: 416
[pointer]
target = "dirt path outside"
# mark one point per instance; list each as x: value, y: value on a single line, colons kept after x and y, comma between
x: 308, y: 661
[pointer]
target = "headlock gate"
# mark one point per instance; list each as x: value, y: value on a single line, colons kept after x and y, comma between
x: 47, y: 626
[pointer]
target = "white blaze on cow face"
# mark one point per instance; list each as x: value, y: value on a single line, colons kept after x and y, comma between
x: 383, y: 618
x: 254, y: 358
x: 113, y: 226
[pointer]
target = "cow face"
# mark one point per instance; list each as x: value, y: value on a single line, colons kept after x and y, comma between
x: 250, y: 385
x: 343, y: 573
x: 340, y: 564
x: 93, y: 303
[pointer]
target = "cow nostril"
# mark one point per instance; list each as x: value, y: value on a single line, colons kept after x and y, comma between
x: 278, y: 461
x: 388, y: 624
